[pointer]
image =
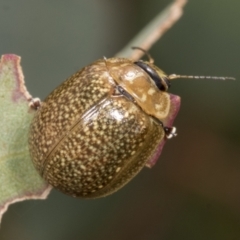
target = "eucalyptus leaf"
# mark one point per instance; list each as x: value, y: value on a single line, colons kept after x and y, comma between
x: 18, y: 177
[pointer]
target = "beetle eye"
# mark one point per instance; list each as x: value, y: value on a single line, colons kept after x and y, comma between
x: 154, y: 76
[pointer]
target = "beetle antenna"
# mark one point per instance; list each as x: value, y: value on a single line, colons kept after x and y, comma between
x: 175, y: 76
x: 150, y: 59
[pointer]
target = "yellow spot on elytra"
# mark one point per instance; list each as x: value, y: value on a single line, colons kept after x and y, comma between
x: 83, y: 167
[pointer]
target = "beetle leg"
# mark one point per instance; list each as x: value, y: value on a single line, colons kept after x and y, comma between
x: 170, y: 132
x: 34, y: 103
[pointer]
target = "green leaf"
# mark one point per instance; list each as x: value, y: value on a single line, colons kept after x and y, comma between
x: 19, y: 179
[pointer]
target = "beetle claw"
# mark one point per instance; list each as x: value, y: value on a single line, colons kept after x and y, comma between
x: 35, y: 103
x: 170, y: 132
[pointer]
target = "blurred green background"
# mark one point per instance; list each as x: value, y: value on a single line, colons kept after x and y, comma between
x: 193, y: 192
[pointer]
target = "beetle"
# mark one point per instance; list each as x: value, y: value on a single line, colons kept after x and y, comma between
x: 101, y: 126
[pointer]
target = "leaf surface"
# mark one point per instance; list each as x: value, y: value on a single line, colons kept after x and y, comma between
x: 18, y: 177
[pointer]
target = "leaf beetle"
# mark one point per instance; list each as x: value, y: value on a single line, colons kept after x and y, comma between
x: 101, y: 126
